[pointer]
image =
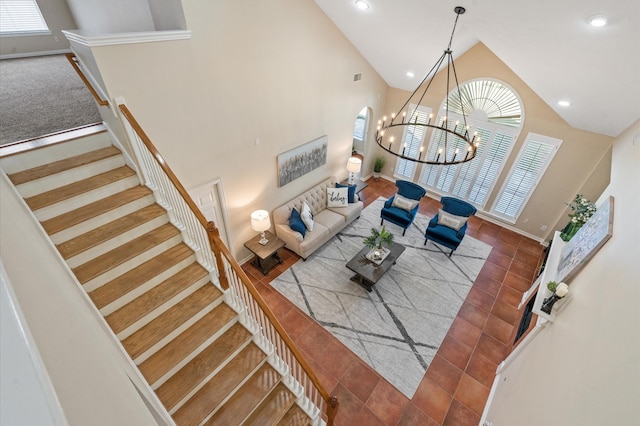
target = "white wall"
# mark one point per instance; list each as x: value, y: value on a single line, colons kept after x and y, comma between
x: 278, y: 72
x: 90, y: 381
x: 584, y: 369
x: 113, y: 16
x: 58, y: 17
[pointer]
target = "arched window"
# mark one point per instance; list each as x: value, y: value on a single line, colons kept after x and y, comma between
x: 494, y: 111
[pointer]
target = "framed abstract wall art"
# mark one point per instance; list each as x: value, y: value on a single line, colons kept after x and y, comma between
x: 301, y: 160
x: 586, y: 242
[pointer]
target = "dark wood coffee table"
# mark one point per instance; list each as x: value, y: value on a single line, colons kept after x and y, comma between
x: 367, y: 273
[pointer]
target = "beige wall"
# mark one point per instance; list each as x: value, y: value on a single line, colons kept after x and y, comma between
x: 58, y: 18
x: 583, y: 369
x: 580, y: 153
x: 278, y: 72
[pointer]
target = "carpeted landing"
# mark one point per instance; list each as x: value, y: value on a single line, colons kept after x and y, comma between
x: 398, y: 327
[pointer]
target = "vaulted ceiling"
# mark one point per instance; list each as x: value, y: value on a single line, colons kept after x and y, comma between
x: 548, y: 43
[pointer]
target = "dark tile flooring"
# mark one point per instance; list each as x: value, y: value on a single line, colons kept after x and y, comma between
x: 455, y: 388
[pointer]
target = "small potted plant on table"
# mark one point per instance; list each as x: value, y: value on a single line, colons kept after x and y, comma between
x: 375, y: 242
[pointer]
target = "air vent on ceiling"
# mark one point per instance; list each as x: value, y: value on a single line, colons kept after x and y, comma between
x: 357, y: 77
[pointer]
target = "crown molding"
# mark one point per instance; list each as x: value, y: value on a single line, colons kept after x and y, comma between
x: 95, y: 40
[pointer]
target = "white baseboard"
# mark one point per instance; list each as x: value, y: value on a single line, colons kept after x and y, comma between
x: 32, y: 54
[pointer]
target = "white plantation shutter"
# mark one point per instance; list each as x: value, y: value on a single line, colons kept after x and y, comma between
x: 474, y: 180
x: 532, y: 162
x: 21, y: 17
x: 492, y: 164
x: 413, y: 136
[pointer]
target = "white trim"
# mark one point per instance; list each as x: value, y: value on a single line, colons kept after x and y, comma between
x: 508, y: 360
x: 95, y: 40
x: 46, y: 385
x: 32, y: 54
x: 125, y: 362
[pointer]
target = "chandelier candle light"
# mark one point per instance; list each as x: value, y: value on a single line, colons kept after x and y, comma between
x: 452, y: 138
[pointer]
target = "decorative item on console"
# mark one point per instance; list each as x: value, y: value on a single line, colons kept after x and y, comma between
x: 581, y: 210
x: 559, y: 291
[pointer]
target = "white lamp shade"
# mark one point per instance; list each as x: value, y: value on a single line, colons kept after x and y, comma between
x: 260, y: 221
x: 354, y: 164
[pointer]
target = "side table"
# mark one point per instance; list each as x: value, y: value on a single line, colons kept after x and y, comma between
x: 266, y: 256
x: 360, y: 184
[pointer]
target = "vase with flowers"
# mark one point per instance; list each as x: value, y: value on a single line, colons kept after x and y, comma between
x: 581, y: 210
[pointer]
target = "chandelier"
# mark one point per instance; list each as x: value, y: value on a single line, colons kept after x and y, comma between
x: 452, y: 142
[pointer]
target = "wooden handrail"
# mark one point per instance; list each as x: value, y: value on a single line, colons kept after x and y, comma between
x: 220, y: 249
x: 72, y: 59
x: 163, y: 164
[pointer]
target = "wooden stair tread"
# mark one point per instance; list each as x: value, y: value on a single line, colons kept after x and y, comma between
x: 63, y: 165
x: 150, y: 300
x: 212, y: 357
x: 69, y: 219
x: 295, y: 417
x: 207, y: 399
x: 273, y: 408
x: 139, y: 275
x: 154, y: 331
x: 127, y: 251
x: 169, y: 355
x: 108, y: 231
x: 242, y: 403
x: 65, y: 192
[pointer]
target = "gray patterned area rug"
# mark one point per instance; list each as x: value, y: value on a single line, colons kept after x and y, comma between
x: 398, y: 327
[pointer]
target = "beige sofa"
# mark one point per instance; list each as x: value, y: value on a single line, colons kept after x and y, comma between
x: 327, y: 221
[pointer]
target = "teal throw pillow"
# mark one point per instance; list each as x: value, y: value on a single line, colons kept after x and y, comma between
x: 351, y: 192
x: 296, y: 223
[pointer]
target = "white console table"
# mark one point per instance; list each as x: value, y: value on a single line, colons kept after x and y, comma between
x: 549, y: 274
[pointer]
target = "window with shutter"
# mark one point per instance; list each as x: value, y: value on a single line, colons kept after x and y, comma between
x: 533, y: 160
x: 412, y: 140
x: 493, y: 112
x: 21, y: 17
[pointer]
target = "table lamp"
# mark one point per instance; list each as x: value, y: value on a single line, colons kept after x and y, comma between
x: 260, y: 222
x: 353, y: 166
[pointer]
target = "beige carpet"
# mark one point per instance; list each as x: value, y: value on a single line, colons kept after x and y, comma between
x: 42, y: 95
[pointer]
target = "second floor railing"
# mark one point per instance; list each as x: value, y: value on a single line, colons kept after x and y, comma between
x: 212, y: 253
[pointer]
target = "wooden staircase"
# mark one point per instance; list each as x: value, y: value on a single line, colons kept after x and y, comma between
x: 162, y: 306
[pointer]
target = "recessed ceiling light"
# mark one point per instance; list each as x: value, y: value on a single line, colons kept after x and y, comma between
x: 410, y: 74
x: 564, y: 103
x: 598, y: 21
x: 362, y: 4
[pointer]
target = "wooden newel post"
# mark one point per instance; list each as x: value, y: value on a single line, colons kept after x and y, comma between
x: 214, y: 237
x: 332, y: 410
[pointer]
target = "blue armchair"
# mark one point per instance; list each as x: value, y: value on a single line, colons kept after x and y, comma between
x: 403, y: 209
x: 448, y: 228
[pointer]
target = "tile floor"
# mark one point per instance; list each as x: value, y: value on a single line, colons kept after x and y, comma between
x: 455, y: 388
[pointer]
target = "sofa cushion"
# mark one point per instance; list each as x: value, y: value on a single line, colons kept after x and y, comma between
x: 351, y: 192
x: 296, y: 223
x: 306, y: 216
x: 316, y: 238
x: 337, y: 197
x: 333, y: 221
x: 450, y: 220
